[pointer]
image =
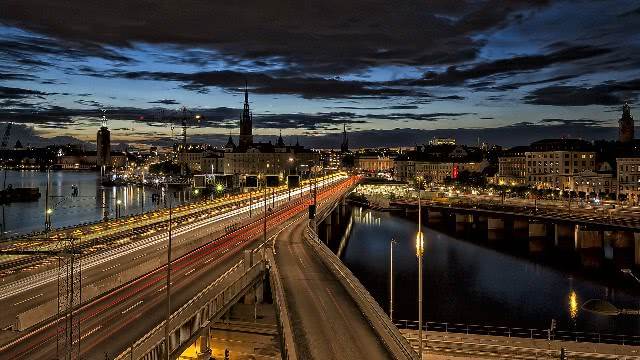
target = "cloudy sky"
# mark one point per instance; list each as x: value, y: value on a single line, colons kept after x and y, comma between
x: 395, y: 72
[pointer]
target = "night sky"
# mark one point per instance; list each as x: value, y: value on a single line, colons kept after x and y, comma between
x: 395, y: 72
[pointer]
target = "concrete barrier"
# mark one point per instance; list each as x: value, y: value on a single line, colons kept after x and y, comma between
x: 387, y: 332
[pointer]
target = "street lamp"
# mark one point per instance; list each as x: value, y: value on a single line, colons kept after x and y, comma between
x: 393, y: 242
x: 118, y: 203
x: 419, y: 254
x: 166, y: 325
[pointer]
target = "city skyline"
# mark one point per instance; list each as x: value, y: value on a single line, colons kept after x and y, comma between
x: 506, y: 74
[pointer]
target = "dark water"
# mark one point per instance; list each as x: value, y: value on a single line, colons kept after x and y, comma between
x: 470, y: 283
x: 88, y: 206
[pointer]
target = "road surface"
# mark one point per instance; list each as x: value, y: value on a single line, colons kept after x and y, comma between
x: 326, y: 322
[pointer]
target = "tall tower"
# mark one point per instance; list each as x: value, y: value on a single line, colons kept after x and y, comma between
x: 246, y: 123
x: 345, y: 141
x: 626, y: 125
x: 103, y: 145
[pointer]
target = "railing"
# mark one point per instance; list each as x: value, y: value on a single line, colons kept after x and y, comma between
x: 386, y: 331
x: 560, y: 335
x: 206, y: 305
x: 287, y: 342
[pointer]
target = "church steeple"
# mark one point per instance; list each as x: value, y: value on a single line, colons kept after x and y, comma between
x: 626, y: 125
x: 280, y: 142
x: 345, y: 141
x: 246, y: 122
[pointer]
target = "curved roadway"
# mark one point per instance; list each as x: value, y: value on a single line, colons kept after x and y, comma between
x: 326, y: 322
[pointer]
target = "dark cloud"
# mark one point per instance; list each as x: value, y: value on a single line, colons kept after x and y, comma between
x: 331, y: 36
x: 165, y: 102
x: 15, y: 76
x: 608, y: 93
x: 458, y: 76
x: 392, y: 107
x: 19, y: 93
x: 261, y: 83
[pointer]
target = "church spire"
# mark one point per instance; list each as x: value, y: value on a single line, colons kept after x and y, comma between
x: 246, y: 122
x: 345, y: 140
x: 626, y: 125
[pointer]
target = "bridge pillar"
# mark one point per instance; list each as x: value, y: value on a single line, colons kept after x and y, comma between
x: 463, y: 222
x: 495, y: 229
x: 565, y: 236
x: 254, y: 295
x: 520, y: 228
x: 622, y: 245
x: 537, y: 236
x: 480, y: 222
x: 336, y: 216
x: 203, y: 347
x: 327, y: 228
x: 434, y: 216
x: 590, y: 245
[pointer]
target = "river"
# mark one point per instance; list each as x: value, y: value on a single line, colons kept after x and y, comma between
x: 470, y: 282
x: 88, y: 206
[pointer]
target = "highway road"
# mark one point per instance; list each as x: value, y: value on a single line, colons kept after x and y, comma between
x: 101, y: 268
x: 139, y: 305
x: 326, y: 322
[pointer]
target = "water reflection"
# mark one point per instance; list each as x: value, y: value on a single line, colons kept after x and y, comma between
x: 471, y: 283
x: 573, y: 305
x: 91, y: 203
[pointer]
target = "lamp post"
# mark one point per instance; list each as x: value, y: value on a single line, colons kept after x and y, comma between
x: 166, y: 324
x: 419, y: 254
x: 393, y: 242
x: 47, y: 209
x: 118, y: 203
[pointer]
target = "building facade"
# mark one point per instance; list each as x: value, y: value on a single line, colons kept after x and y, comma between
x: 373, y: 163
x: 629, y: 177
x: 553, y: 163
x: 591, y: 182
x: 512, y: 167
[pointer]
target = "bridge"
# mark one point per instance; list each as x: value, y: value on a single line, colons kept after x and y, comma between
x: 225, y: 251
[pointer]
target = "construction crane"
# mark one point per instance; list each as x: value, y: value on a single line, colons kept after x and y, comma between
x: 6, y: 135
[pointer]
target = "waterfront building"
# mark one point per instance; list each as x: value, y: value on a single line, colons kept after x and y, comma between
x: 626, y: 125
x: 439, y: 163
x: 373, y: 162
x: 629, y: 177
x: 553, y: 163
x: 592, y: 182
x: 88, y: 160
x: 512, y: 167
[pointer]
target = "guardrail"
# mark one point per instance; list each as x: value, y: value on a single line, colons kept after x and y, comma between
x: 387, y: 332
x: 208, y: 304
x: 561, y: 335
x: 476, y: 347
x: 287, y: 343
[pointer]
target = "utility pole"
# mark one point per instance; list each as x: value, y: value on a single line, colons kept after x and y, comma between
x: 69, y: 290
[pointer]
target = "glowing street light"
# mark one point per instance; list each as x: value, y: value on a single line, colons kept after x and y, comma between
x: 419, y: 254
x: 118, y: 203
